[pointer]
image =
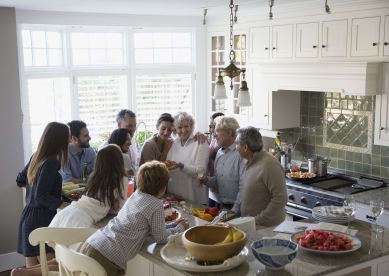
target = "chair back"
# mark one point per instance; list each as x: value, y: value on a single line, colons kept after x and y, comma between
x: 54, y: 235
x: 72, y: 263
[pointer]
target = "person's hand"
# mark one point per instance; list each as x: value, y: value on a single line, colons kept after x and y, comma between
x: 176, y: 165
x: 115, y: 205
x: 202, y: 180
x: 200, y: 138
x: 167, y: 144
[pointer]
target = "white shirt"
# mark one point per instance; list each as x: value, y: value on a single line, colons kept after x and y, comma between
x: 184, y: 182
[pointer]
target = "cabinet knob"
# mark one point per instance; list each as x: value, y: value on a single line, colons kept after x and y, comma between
x: 374, y: 44
x: 382, y: 128
x: 386, y: 43
x: 314, y: 46
x: 323, y: 46
x: 274, y: 48
x: 266, y: 48
x: 265, y: 115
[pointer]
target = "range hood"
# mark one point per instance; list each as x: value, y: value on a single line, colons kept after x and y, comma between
x: 349, y: 78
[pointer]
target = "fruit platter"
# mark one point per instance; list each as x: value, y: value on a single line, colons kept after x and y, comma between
x: 71, y: 192
x: 207, y: 214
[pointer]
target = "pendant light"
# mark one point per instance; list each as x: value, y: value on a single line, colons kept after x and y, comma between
x: 244, y: 95
x: 220, y: 89
x: 232, y: 70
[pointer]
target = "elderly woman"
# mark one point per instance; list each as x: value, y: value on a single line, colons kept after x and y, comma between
x: 191, y: 160
x: 158, y: 146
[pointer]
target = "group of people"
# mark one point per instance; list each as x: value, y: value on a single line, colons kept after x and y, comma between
x: 231, y: 171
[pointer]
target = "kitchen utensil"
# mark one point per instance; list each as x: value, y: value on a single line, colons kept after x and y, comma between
x: 318, y: 165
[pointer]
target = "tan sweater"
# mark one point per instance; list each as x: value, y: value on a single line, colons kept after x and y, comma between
x: 150, y: 151
x: 264, y: 194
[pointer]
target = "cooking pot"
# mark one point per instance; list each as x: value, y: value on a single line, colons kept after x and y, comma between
x: 318, y: 165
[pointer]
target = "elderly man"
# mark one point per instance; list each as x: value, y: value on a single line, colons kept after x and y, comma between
x: 127, y: 119
x: 80, y: 153
x: 229, y: 166
x: 263, y: 194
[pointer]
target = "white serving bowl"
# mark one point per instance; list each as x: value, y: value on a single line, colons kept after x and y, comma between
x: 274, y: 253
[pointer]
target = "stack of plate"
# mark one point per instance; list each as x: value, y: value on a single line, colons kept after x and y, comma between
x: 319, y: 214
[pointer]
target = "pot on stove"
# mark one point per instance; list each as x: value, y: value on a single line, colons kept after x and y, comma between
x: 318, y: 165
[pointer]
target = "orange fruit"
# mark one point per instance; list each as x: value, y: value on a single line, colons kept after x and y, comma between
x: 206, y: 217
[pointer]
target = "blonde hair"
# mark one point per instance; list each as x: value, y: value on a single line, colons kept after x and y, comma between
x: 152, y: 177
x: 53, y: 143
x: 228, y: 123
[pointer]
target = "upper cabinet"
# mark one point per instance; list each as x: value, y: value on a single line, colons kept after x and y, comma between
x: 365, y: 35
x: 386, y: 36
x: 282, y: 46
x: 307, y: 40
x: 334, y: 39
x: 259, y: 42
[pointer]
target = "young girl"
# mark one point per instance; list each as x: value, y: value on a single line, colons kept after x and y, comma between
x: 105, y: 192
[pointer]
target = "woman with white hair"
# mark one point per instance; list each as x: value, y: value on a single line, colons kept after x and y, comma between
x: 191, y: 159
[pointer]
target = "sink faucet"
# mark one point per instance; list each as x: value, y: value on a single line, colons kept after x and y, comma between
x: 141, y: 145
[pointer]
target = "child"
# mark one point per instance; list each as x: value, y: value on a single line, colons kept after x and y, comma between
x: 141, y: 215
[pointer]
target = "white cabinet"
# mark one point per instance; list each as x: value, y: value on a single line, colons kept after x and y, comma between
x: 259, y: 42
x: 386, y: 36
x: 282, y: 46
x: 272, y: 109
x: 334, y: 38
x: 307, y: 39
x: 381, y: 126
x: 365, y: 37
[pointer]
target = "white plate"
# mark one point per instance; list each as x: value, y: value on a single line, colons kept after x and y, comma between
x: 175, y: 256
x: 178, y: 217
x: 354, y: 241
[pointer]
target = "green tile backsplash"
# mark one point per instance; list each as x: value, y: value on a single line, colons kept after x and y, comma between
x: 356, y: 160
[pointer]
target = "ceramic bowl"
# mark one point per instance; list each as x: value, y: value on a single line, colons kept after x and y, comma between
x: 274, y: 253
x: 200, y: 242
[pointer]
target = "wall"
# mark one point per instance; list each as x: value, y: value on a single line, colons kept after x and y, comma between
x: 374, y: 164
x: 11, y: 141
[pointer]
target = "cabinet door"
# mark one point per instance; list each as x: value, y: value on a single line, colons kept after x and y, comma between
x: 259, y: 112
x: 381, y: 126
x: 365, y: 37
x: 334, y: 39
x: 282, y: 41
x: 386, y: 36
x: 259, y: 42
x: 307, y: 40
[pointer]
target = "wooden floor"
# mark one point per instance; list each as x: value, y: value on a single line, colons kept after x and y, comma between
x: 5, y: 273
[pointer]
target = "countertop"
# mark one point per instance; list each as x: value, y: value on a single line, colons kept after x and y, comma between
x: 304, y: 263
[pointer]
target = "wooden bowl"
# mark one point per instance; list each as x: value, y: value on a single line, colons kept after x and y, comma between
x: 200, y: 242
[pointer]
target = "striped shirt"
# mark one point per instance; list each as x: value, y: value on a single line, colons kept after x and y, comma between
x: 142, y: 215
x: 229, y: 169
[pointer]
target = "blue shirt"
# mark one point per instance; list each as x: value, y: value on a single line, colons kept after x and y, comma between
x: 76, y: 163
x: 229, y: 169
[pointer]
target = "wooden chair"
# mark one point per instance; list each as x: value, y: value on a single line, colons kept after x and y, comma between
x: 53, y: 235
x: 72, y: 263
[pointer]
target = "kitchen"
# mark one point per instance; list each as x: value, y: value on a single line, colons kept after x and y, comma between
x: 311, y: 126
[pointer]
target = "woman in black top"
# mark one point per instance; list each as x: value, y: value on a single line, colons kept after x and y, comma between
x: 43, y: 185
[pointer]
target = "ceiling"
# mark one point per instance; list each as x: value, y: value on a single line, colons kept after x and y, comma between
x: 174, y: 7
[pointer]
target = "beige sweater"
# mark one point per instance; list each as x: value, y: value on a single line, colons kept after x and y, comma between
x: 264, y: 194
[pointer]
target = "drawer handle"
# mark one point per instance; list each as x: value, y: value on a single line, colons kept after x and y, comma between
x: 323, y: 46
x: 274, y: 48
x: 374, y: 44
x: 266, y: 48
x: 314, y: 46
x: 382, y: 128
x: 264, y: 115
x: 386, y: 43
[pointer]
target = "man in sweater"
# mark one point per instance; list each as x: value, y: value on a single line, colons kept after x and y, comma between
x: 229, y: 166
x: 264, y: 194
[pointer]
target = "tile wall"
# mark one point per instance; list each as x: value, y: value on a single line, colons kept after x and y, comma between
x: 374, y: 163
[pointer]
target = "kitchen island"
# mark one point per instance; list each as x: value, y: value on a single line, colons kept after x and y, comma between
x: 359, y: 262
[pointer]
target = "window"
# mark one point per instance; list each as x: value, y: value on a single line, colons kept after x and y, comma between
x: 97, y: 48
x: 162, y: 48
x: 42, y: 48
x: 48, y: 100
x: 99, y: 100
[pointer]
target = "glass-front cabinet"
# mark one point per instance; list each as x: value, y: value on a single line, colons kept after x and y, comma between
x: 220, y: 49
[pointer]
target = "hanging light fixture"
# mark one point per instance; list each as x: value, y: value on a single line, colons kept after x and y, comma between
x: 204, y: 20
x: 231, y: 70
x: 327, y: 9
x: 220, y: 89
x: 271, y: 3
x: 244, y: 95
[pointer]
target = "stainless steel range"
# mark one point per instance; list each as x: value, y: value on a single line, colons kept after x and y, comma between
x: 324, y: 191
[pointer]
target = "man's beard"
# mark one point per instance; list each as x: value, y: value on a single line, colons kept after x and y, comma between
x: 83, y: 145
